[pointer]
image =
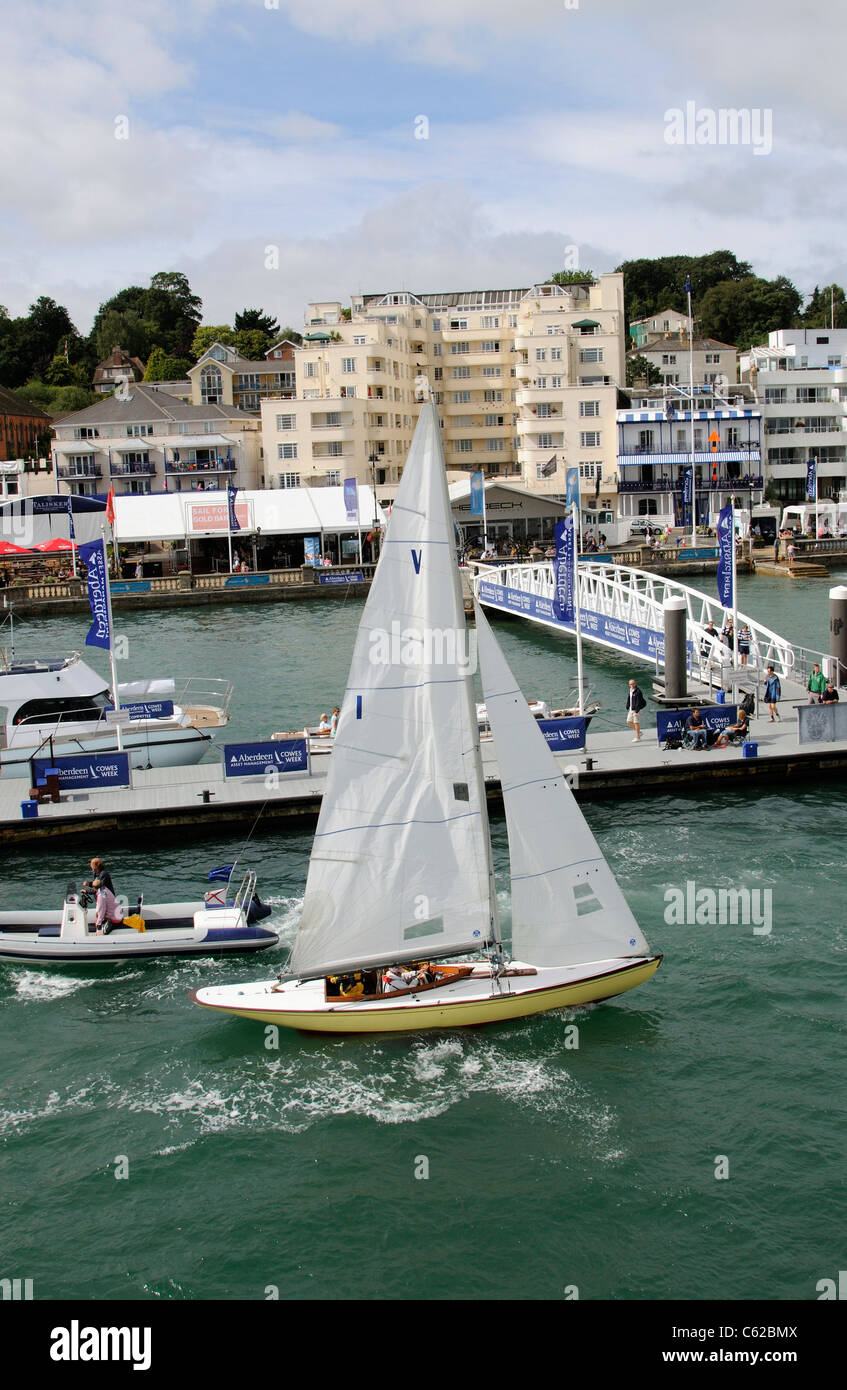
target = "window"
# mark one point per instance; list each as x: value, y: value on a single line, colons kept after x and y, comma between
x: 645, y: 440
x: 461, y: 422
x: 493, y: 421
x: 493, y: 395
x: 436, y: 325
x: 211, y: 386
x: 459, y: 347
x: 541, y: 383
x: 357, y: 342
x: 669, y: 359
x: 332, y: 420
x: 335, y: 449
x: 512, y: 321
x: 556, y: 382
x: 833, y: 361
x: 461, y: 397
x: 591, y: 354
x: 333, y: 478
x: 495, y: 446
x: 458, y: 323
x: 436, y: 349
x: 490, y: 345
x: 464, y: 446
x: 589, y: 408
x: 134, y: 431
x: 348, y: 364
x: 491, y: 371
x: 86, y: 433
x: 289, y: 479
x: 589, y: 439
x: 490, y: 321
x: 590, y: 470
x: 310, y: 369
x: 348, y: 393
x: 437, y: 373
x: 285, y: 422
x: 775, y: 395
x: 286, y: 451
x: 544, y: 412
x: 541, y: 354
x: 460, y: 371
x: 555, y: 354
x: 545, y: 441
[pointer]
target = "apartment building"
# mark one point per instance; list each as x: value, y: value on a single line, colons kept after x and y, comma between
x: 152, y: 442
x: 525, y: 381
x: 223, y: 377
x: 800, y: 380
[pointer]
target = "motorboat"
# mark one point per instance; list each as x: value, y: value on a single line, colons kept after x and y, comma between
x: 60, y: 705
x: 401, y: 877
x: 223, y: 923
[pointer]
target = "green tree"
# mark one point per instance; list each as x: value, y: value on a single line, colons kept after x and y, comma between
x: 818, y: 313
x: 209, y: 333
x: 258, y: 319
x: 162, y: 367
x: 166, y: 314
x: 572, y: 277
x: 653, y: 284
x: 289, y: 335
x: 252, y: 343
x: 745, y: 311
x: 640, y: 370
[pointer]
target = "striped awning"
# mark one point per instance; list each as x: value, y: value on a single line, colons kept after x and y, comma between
x: 700, y: 456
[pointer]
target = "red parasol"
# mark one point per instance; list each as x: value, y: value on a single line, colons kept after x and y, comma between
x: 7, y: 548
x: 53, y: 547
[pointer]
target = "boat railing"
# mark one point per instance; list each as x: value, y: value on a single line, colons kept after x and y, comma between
x: 246, y: 889
x: 205, y: 690
x: 13, y: 663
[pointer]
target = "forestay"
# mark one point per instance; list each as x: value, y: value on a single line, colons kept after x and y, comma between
x: 401, y: 862
x: 567, y: 908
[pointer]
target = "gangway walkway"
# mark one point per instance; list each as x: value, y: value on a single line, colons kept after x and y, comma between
x: 622, y: 609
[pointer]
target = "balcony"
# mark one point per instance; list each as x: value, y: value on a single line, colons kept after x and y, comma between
x: 731, y: 454
x: 747, y: 483
x: 201, y: 466
x: 72, y: 473
x: 132, y: 470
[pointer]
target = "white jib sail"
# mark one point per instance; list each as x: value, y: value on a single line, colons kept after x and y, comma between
x: 567, y: 908
x: 401, y: 861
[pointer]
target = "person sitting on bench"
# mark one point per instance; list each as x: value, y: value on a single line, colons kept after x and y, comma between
x: 697, y: 729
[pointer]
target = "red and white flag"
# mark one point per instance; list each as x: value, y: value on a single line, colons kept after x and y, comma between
x: 110, y: 506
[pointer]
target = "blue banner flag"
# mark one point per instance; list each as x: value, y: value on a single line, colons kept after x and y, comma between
x: 812, y: 480
x: 93, y: 556
x: 572, y: 486
x: 477, y: 495
x: 563, y: 572
x: 71, y: 532
x: 687, y: 284
x: 351, y: 500
x: 688, y: 495
x: 231, y: 493
x: 726, y: 541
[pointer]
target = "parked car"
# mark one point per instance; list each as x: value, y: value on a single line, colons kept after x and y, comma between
x: 642, y: 527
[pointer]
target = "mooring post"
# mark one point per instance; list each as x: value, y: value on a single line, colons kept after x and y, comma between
x: 676, y: 679
x: 838, y: 633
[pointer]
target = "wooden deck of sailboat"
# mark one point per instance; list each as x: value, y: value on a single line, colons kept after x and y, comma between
x: 460, y: 1003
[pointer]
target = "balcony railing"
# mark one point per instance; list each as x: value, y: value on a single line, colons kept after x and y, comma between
x: 749, y: 483
x: 132, y: 470
x: 189, y: 466
x: 71, y: 473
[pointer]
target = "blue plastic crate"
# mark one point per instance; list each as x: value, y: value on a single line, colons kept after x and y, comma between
x: 750, y: 749
x: 29, y: 810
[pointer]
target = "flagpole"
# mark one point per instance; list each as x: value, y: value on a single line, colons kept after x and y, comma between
x: 734, y: 593
x: 576, y: 614
x: 484, y: 518
x: 228, y: 529
x: 116, y: 699
x: 71, y: 537
x: 691, y: 385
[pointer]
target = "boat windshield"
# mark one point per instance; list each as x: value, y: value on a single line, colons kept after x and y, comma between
x: 70, y: 708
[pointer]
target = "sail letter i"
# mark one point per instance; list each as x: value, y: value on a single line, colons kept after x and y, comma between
x: 417, y: 556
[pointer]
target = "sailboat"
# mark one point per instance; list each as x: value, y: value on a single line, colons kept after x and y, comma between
x: 401, y: 871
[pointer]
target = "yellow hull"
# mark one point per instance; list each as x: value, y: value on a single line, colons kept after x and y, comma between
x: 497, y: 1008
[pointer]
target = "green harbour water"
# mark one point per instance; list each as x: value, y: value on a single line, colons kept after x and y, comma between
x: 297, y: 1168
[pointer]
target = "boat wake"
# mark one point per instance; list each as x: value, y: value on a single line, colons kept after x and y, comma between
x: 40, y: 984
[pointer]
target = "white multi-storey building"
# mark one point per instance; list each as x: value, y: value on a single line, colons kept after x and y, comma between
x: 525, y: 381
x: 800, y: 379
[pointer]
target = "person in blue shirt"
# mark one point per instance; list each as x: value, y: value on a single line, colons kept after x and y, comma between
x: 773, y: 693
x: 697, y: 729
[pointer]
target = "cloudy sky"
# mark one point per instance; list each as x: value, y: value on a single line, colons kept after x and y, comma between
x: 295, y: 124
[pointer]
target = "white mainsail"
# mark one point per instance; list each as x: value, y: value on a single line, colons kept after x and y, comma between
x: 567, y: 908
x: 401, y: 863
